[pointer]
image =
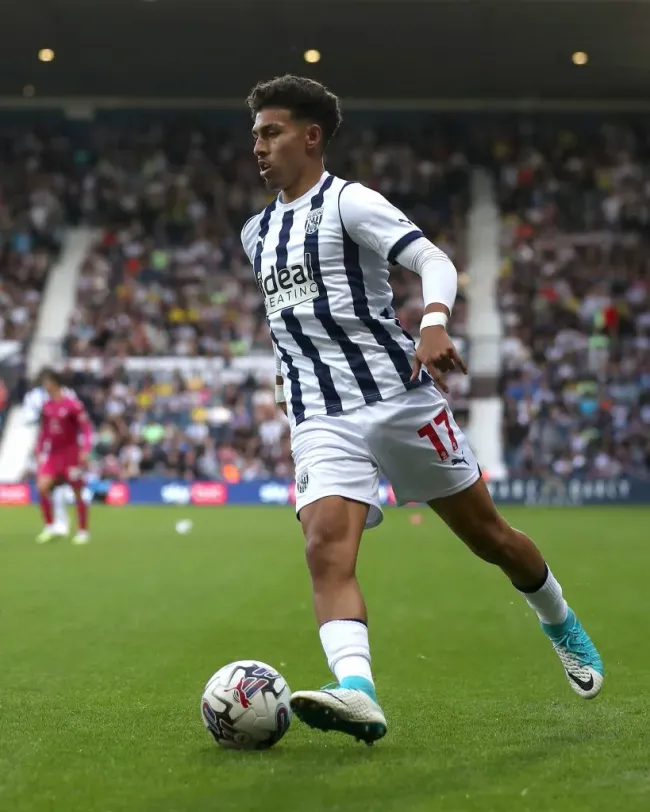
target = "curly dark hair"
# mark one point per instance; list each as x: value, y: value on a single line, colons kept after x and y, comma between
x: 50, y: 374
x: 306, y: 99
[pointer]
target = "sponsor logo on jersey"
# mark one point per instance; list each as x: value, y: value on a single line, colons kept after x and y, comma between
x: 287, y: 287
x: 313, y: 221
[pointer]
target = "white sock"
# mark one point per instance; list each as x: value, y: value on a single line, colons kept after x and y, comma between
x: 345, y: 643
x: 60, y: 507
x: 548, y: 601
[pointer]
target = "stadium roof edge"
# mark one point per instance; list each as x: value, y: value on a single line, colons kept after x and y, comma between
x: 82, y: 107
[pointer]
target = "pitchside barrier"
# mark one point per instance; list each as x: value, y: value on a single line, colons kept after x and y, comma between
x: 518, y: 491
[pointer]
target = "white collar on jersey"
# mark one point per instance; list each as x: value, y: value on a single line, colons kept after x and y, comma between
x: 308, y: 194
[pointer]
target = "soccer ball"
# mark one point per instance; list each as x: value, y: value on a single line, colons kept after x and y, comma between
x: 245, y: 706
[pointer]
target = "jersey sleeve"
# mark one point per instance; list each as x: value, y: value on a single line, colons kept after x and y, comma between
x: 249, y: 235
x: 31, y: 411
x: 43, y: 434
x: 373, y: 222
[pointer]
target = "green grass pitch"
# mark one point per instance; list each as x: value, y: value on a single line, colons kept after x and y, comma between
x: 104, y: 652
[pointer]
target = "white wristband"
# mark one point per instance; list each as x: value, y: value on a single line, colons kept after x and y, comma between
x: 279, y: 394
x: 434, y: 320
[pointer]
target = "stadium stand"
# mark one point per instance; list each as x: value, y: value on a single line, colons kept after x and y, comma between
x: 32, y: 214
x: 167, y: 280
x: 575, y: 298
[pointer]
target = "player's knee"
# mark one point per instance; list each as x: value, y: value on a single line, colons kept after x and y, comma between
x: 44, y: 486
x: 329, y: 551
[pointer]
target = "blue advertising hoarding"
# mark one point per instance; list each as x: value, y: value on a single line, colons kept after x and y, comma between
x: 516, y: 491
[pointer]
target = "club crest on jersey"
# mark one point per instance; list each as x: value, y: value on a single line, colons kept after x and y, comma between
x: 313, y: 221
x: 302, y: 482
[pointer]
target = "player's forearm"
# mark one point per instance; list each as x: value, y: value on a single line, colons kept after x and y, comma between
x: 438, y: 273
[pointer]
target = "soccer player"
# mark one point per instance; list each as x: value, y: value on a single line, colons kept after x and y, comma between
x: 361, y: 398
x: 63, y: 446
x: 32, y: 407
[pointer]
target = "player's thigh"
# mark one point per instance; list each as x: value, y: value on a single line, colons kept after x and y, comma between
x: 72, y: 472
x: 45, y: 483
x: 46, y: 476
x: 74, y: 477
x: 332, y: 459
x: 420, y: 448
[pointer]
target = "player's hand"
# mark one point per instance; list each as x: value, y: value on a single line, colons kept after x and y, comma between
x: 437, y: 353
x: 83, y: 459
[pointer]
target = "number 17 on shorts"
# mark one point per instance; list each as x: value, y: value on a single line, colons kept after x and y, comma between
x: 422, y: 451
x: 429, y: 431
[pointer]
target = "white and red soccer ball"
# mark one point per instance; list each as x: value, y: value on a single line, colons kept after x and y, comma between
x: 245, y: 706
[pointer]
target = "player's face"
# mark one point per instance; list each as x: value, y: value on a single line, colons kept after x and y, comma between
x: 283, y: 146
x: 51, y: 387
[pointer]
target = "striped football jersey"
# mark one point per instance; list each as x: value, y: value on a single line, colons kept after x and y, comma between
x: 321, y: 264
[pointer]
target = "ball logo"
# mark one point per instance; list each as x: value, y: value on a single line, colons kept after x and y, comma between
x: 282, y: 719
x: 248, y: 686
x: 208, y: 714
x: 220, y: 728
x: 282, y: 722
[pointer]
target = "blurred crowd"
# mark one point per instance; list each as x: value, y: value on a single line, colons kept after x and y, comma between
x: 32, y: 216
x: 575, y: 297
x: 182, y: 426
x: 169, y: 276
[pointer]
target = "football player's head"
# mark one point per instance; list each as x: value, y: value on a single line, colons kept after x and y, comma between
x: 50, y: 380
x: 294, y: 119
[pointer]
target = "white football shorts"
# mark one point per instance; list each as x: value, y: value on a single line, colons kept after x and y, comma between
x: 411, y: 439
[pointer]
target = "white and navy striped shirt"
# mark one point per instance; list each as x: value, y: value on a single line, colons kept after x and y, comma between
x: 321, y: 263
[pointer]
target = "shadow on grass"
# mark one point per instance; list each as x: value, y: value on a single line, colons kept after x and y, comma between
x: 335, y: 773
